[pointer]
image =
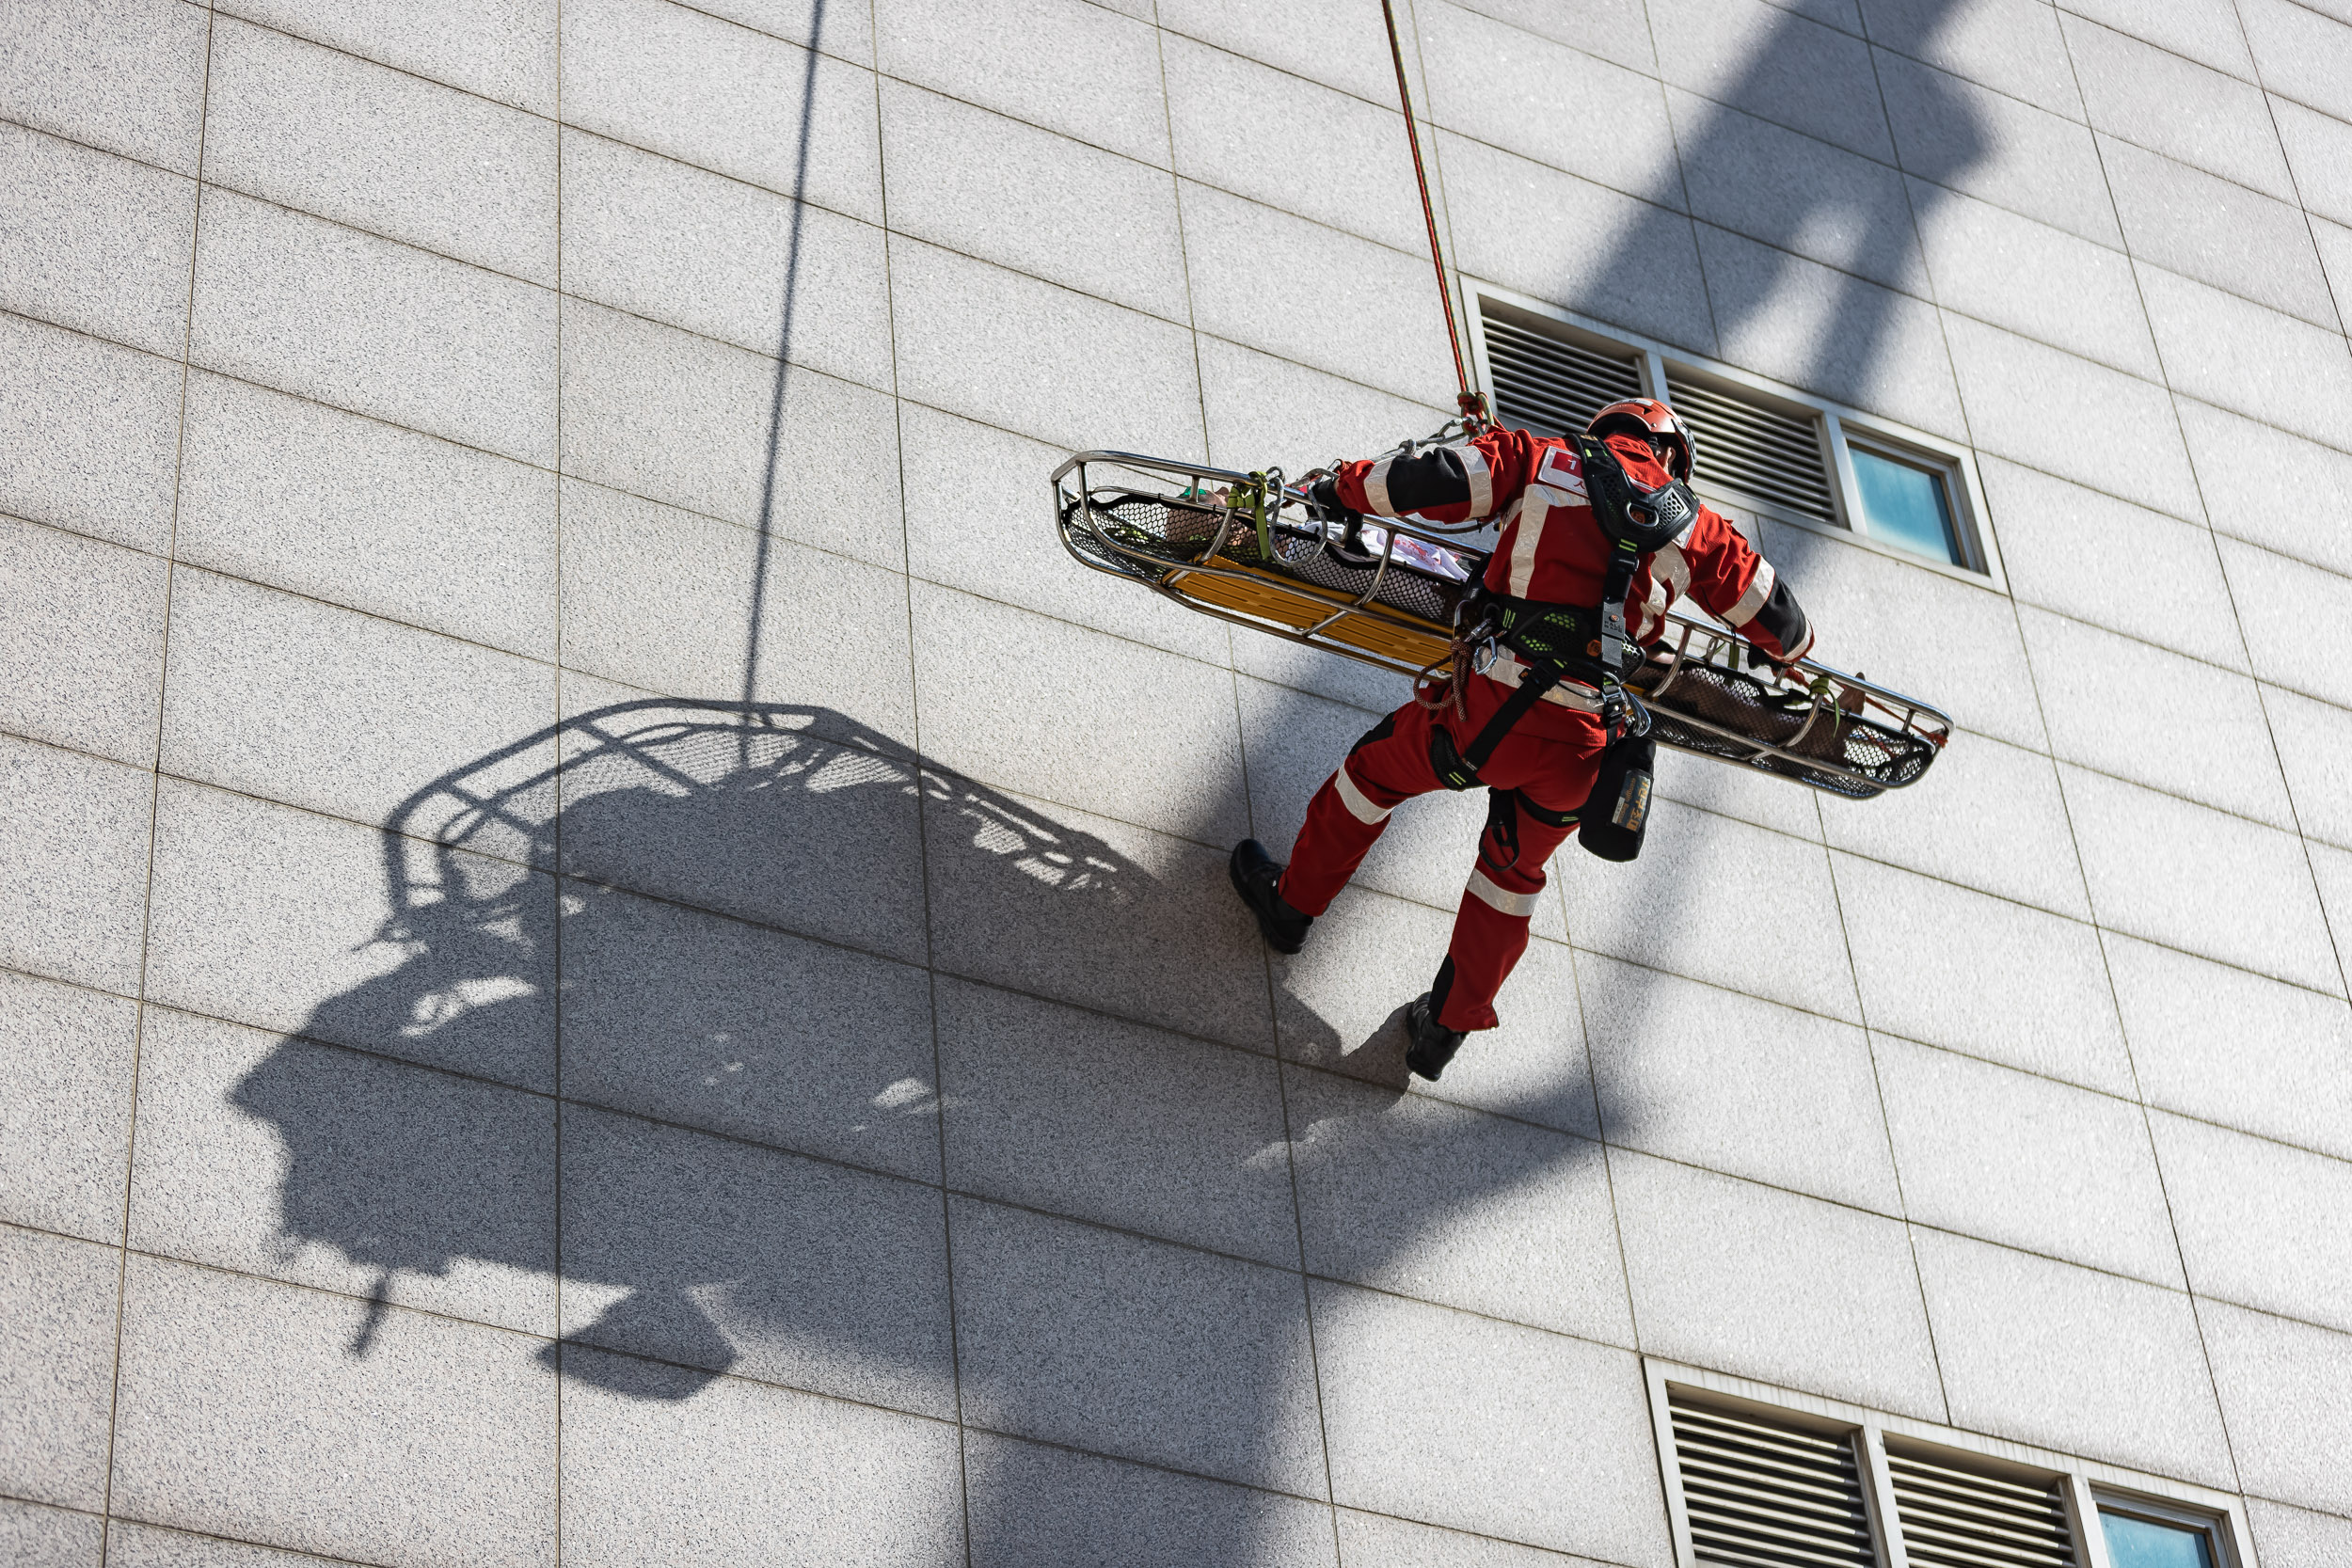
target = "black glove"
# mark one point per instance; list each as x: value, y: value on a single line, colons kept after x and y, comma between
x: 1324, y: 504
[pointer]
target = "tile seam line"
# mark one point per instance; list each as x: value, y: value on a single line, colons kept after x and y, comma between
x: 986, y: 982
x: 2133, y: 1100
x: 934, y: 765
x: 986, y: 422
x: 1248, y: 804
x: 922, y: 796
x: 772, y: 1145
x: 232, y: 13
x: 951, y: 1191
x: 1901, y: 290
x: 1829, y: 857
x: 555, y: 1021
x: 677, y: 159
x: 1270, y: 354
x: 1195, y: 178
x: 1560, y: 893
x: 2131, y: 1059
x: 1574, y: 1558
x: 410, y: 244
x: 509, y: 1086
x: 2295, y: 186
x: 2254, y: 82
x: 300, y: 1552
x: 1198, y: 1249
x: 440, y: 1315
x: 874, y: 66
x: 154, y: 811
x: 952, y: 1194
x: 1014, y: 1436
x: 2228, y: 588
x: 444, y: 1315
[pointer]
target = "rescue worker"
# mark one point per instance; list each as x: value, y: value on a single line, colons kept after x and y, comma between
x: 1533, y: 726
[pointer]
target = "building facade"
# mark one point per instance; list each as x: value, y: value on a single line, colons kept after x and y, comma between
x: 608, y: 954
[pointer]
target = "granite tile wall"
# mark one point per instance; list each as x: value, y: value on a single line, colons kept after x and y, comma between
x: 606, y: 954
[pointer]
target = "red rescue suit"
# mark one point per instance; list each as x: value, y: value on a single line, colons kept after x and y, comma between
x: 1551, y: 551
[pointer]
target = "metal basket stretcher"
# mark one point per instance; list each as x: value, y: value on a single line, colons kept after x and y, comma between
x: 1241, y: 547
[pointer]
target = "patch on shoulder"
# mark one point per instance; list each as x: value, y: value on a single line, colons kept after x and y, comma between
x: 1560, y: 471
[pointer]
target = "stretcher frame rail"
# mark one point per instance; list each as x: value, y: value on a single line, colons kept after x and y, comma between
x: 1252, y: 503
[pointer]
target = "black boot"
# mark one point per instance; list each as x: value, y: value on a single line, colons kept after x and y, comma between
x: 1434, y: 1044
x: 1257, y: 876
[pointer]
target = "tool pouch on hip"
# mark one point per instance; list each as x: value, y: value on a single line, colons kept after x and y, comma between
x: 1616, y: 813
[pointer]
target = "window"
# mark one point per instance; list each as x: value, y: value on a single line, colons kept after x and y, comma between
x: 1761, y: 452
x: 2136, y: 1541
x: 1759, y: 1477
x: 1907, y: 504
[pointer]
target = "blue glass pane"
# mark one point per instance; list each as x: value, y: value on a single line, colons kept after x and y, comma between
x: 1903, y: 505
x: 2144, y: 1544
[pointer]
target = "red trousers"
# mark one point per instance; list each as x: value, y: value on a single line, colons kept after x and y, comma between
x: 1391, y: 764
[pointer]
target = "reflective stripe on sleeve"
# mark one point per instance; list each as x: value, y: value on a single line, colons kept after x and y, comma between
x: 1359, y: 804
x: 1377, y: 486
x: 1482, y: 480
x: 1760, y: 588
x: 1519, y: 906
x: 1668, y: 567
x: 1534, y: 508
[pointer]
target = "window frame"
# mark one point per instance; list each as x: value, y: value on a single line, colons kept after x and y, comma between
x: 2163, y: 1512
x: 2084, y: 1483
x: 1837, y: 427
x: 1871, y: 442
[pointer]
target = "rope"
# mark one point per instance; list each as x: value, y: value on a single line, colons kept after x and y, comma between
x: 1473, y: 404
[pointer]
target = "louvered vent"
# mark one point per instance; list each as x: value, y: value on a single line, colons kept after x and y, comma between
x: 1954, y: 1518
x: 1757, y: 450
x: 1550, y: 385
x: 1762, y: 1495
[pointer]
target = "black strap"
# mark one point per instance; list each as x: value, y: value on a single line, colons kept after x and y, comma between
x: 1533, y: 683
x: 1544, y: 814
x: 1632, y: 527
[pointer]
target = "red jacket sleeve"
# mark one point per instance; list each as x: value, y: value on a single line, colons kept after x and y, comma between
x: 1467, y: 482
x: 1738, y: 586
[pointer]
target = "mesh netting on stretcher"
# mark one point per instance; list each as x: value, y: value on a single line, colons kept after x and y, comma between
x: 1241, y: 547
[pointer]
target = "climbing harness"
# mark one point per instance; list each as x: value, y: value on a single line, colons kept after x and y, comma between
x: 1471, y: 402
x: 1554, y: 642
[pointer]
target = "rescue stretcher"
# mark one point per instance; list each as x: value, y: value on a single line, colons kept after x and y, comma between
x: 1241, y: 547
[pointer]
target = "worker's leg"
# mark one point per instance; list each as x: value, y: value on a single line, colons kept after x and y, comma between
x: 1523, y: 827
x: 1387, y: 766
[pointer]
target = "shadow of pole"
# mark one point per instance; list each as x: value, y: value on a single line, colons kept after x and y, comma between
x: 1865, y: 234
x: 783, y: 357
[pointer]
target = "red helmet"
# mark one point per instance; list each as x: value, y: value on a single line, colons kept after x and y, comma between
x: 1655, y: 423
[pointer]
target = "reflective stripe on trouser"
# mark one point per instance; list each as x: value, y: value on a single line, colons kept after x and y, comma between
x: 1390, y: 765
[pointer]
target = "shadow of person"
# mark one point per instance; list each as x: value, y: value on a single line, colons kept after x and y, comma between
x: 748, y: 903
x: 783, y: 818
